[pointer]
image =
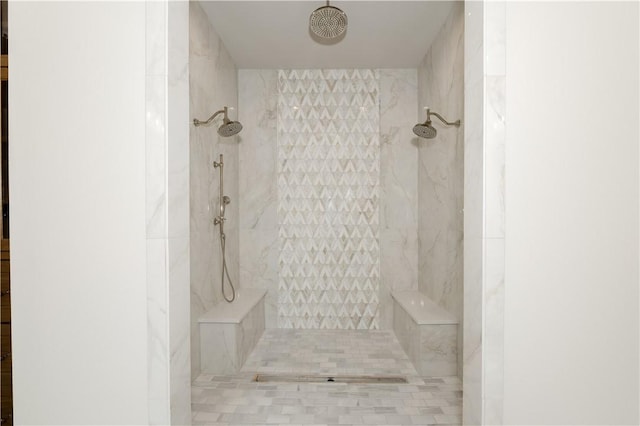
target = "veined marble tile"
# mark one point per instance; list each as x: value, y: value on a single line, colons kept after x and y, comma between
x: 222, y: 337
x: 494, y: 213
x: 398, y: 259
x: 398, y: 150
x: 177, y: 119
x: 472, y: 389
x: 258, y: 232
x: 431, y: 347
x: 494, y: 157
x: 155, y: 38
x: 212, y: 86
x: 227, y: 339
x: 178, y: 45
x: 251, y: 329
x: 495, y: 38
x: 258, y: 151
x: 493, y: 333
x: 177, y: 137
x: 156, y: 162
x: 438, y: 350
x: 473, y: 213
x: 474, y: 120
x: 158, y: 352
x: 200, y: 41
x: 179, y: 334
x: 178, y: 200
x: 493, y: 409
x: 158, y: 344
x: 441, y: 169
x: 398, y: 187
x: 259, y: 267
x: 472, y: 329
x: 179, y: 294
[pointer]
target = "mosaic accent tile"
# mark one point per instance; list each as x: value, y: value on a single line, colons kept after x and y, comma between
x: 328, y: 176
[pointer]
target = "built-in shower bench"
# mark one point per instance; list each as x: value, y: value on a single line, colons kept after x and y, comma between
x: 230, y: 331
x: 427, y: 333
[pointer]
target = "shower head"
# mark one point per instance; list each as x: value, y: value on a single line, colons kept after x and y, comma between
x: 328, y: 22
x: 426, y: 130
x: 228, y: 127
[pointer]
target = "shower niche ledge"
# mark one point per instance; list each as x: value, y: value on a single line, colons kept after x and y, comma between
x: 230, y: 331
x: 427, y: 333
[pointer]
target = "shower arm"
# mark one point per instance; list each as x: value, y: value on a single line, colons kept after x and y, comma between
x: 430, y: 113
x: 197, y: 122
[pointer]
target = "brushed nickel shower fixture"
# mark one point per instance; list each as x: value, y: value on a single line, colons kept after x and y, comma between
x: 219, y: 220
x: 328, y: 22
x: 228, y: 127
x: 426, y: 130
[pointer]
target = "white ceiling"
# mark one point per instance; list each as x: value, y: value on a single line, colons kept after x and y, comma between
x: 275, y: 34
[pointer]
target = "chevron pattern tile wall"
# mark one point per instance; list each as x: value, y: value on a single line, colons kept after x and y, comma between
x: 328, y: 199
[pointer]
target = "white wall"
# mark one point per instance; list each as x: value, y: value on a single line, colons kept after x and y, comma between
x: 571, y: 292
x: 77, y: 166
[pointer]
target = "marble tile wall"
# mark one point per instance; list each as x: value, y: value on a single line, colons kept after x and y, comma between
x: 259, y: 245
x: 427, y: 332
x: 167, y: 201
x: 494, y: 220
x: 212, y: 85
x: 177, y: 132
x: 156, y: 214
x: 473, y: 212
x: 484, y: 212
x: 328, y: 175
x: 432, y: 348
x: 398, y: 187
x: 225, y: 346
x: 259, y: 240
x: 441, y: 170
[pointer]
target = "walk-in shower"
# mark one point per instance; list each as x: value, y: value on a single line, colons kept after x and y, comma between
x: 426, y: 130
x: 320, y: 240
x: 228, y: 128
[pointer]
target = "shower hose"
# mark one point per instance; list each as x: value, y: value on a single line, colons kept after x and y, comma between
x: 225, y: 271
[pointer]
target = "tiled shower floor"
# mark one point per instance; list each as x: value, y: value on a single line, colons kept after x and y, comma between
x: 238, y: 400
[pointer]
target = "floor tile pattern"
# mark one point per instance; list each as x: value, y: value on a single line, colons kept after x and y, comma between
x: 238, y: 400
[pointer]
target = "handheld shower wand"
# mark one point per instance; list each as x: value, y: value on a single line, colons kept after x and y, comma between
x: 219, y: 220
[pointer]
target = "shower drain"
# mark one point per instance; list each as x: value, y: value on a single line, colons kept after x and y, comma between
x: 298, y: 378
